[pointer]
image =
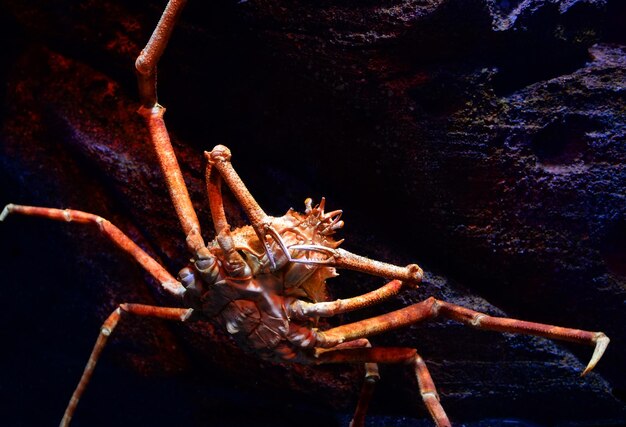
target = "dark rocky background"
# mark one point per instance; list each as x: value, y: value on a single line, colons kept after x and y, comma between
x: 483, y: 139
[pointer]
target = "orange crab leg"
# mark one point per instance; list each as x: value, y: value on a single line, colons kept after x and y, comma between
x: 232, y: 261
x: 371, y: 378
x: 146, y: 63
x: 180, y: 314
x: 505, y: 324
x: 152, y: 112
x: 341, y: 258
x: 432, y: 307
x: 219, y: 158
x: 173, y: 176
x: 392, y: 355
x: 216, y: 202
x: 120, y: 239
x: 302, y: 309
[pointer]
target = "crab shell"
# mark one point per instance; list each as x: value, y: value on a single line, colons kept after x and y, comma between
x: 284, y: 278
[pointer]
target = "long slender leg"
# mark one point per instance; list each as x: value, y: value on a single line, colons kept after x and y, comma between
x: 394, y: 355
x: 152, y: 112
x: 375, y: 325
x: 146, y: 63
x: 412, y: 273
x: 219, y: 158
x: 232, y: 261
x: 216, y: 202
x: 432, y: 307
x: 341, y: 258
x: 302, y: 309
x: 371, y: 378
x: 109, y: 230
x: 505, y: 324
x: 180, y: 314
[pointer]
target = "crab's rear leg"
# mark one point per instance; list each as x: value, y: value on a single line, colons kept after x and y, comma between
x: 432, y: 307
x: 180, y: 314
x: 367, y: 389
x: 120, y: 239
x: 407, y: 356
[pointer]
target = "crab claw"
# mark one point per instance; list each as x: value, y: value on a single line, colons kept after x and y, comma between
x: 602, y: 341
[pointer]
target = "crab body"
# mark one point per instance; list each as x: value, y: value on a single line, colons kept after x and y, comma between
x: 253, y: 309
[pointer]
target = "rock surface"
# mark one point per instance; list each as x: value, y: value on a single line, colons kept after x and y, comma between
x: 482, y: 139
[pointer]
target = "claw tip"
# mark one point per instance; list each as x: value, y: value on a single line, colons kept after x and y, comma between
x: 602, y: 341
x: 5, y: 212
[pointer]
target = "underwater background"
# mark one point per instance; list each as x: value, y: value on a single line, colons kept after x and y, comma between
x: 484, y: 140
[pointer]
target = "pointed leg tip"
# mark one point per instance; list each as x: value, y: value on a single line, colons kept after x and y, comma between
x: 602, y: 342
x: 6, y: 211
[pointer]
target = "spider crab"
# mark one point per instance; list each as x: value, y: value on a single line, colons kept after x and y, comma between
x: 265, y: 283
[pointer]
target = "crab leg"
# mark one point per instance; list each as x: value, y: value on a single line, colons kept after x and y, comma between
x: 392, y: 355
x: 120, y: 239
x: 432, y: 307
x: 146, y: 63
x: 504, y: 324
x: 173, y: 176
x: 216, y: 202
x: 371, y: 378
x: 412, y: 273
x: 299, y: 309
x: 180, y: 314
x: 152, y: 112
x: 219, y: 158
x: 341, y: 258
x: 232, y: 261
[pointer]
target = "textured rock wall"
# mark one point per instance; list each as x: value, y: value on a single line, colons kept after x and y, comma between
x: 482, y: 139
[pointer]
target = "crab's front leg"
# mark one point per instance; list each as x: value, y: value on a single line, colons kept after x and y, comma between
x: 341, y: 258
x: 219, y: 159
x: 152, y: 112
x: 110, y: 231
x: 146, y: 62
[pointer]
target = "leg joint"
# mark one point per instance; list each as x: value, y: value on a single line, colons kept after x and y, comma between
x: 477, y: 319
x: 434, y: 306
x: 141, y: 65
x: 429, y: 394
x: 220, y: 153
